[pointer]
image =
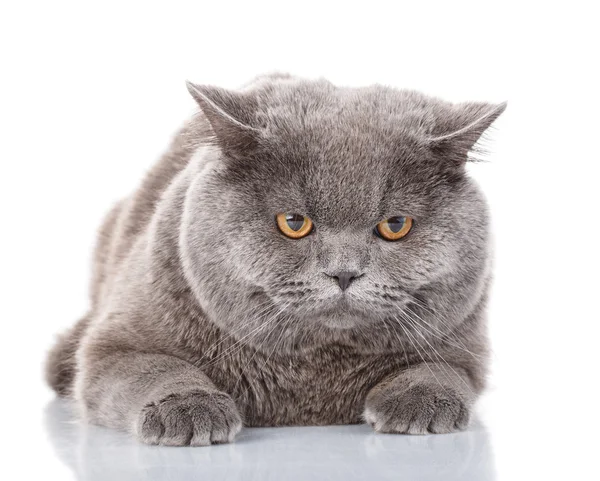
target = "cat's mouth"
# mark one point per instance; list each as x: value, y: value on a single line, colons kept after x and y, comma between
x: 341, y: 316
x: 338, y: 309
x: 339, y: 312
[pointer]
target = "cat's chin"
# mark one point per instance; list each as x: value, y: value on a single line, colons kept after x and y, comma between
x: 341, y: 316
x: 341, y: 322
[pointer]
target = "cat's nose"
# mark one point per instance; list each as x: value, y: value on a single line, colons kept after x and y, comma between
x: 344, y: 278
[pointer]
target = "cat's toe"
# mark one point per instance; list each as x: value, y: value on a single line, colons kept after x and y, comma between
x: 199, y: 418
x: 417, y: 410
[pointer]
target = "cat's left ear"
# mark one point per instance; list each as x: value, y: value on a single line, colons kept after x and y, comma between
x: 230, y: 115
x: 459, y: 127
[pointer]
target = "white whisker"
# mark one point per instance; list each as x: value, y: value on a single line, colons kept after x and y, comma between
x: 436, y: 352
x: 255, y: 331
x: 442, y: 335
x: 414, y: 343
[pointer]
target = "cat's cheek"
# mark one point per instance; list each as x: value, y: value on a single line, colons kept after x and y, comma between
x: 419, y: 262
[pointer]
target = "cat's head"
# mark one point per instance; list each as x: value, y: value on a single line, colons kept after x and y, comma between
x: 332, y: 212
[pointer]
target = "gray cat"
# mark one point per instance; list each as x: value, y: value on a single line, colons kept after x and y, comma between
x: 304, y: 254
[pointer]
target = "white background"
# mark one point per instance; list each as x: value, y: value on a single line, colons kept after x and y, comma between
x: 92, y: 91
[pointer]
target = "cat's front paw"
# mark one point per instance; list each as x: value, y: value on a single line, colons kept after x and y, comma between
x: 197, y: 418
x: 417, y: 409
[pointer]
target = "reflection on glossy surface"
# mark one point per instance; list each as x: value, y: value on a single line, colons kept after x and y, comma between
x: 291, y: 453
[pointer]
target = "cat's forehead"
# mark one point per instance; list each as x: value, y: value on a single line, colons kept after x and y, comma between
x: 354, y: 134
x: 340, y: 175
x: 345, y: 147
x: 314, y: 105
x: 332, y: 121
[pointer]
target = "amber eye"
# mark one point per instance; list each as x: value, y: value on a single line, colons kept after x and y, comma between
x: 394, y: 228
x: 294, y: 226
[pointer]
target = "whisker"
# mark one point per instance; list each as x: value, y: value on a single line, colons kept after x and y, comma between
x: 420, y: 303
x: 243, y: 370
x: 443, y: 336
x: 387, y: 328
x: 436, y: 352
x: 281, y: 334
x: 230, y: 334
x: 231, y: 348
x: 413, y: 341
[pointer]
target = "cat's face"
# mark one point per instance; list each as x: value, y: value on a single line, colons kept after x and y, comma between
x: 347, y: 160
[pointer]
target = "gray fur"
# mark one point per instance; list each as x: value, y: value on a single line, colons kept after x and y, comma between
x: 203, y: 314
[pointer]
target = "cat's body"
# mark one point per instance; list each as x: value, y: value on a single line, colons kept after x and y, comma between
x: 191, y: 305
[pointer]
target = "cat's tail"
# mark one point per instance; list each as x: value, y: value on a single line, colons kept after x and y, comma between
x: 61, y: 360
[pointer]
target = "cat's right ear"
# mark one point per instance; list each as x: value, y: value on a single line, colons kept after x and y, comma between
x: 459, y: 128
x: 230, y: 115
